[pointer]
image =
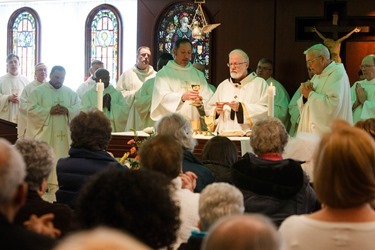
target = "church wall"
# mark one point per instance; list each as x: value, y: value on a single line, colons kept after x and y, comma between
x: 263, y: 28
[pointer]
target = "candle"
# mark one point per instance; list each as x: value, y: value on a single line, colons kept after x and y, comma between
x: 100, y: 89
x: 271, y: 99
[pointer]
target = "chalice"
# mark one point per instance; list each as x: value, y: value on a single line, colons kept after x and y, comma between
x: 196, y: 102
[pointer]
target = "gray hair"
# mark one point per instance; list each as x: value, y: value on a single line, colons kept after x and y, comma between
x: 179, y: 127
x: 12, y: 171
x: 39, y: 159
x: 218, y: 200
x: 248, y: 231
x: 268, y: 136
x: 319, y: 50
x: 240, y: 51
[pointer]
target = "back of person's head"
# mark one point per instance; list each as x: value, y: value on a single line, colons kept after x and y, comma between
x: 39, y: 158
x: 220, y: 149
x: 12, y: 172
x: 163, y: 154
x: 179, y: 127
x: 268, y: 136
x: 91, y: 130
x: 344, y: 171
x: 242, y: 232
x: 218, y: 200
x: 367, y: 125
x: 137, y: 202
x: 163, y: 60
x: 99, y: 239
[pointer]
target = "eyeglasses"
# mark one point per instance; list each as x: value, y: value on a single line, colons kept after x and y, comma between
x: 366, y: 66
x: 308, y: 62
x: 235, y: 64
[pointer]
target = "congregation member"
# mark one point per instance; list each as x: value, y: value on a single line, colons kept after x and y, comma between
x: 41, y: 74
x: 90, y: 81
x: 282, y: 99
x: 327, y: 97
x: 240, y: 100
x: 363, y: 92
x: 216, y: 201
x: 179, y: 127
x: 219, y: 154
x: 164, y: 154
x: 139, y: 203
x: 248, y: 231
x: 132, y: 80
x: 100, y: 238
x: 344, y: 182
x: 90, y: 135
x: 12, y: 197
x: 39, y: 159
x: 175, y: 87
x: 51, y: 108
x: 367, y: 125
x: 143, y: 97
x: 271, y: 185
x: 11, y: 86
x: 114, y: 106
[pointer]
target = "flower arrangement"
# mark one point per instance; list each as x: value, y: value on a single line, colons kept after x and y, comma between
x: 131, y: 158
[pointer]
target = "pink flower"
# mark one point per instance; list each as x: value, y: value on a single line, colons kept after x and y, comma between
x: 133, y: 150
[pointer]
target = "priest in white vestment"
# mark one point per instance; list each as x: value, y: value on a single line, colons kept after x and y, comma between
x: 114, y: 106
x: 40, y: 78
x: 11, y: 86
x: 327, y: 96
x: 143, y: 97
x: 51, y: 108
x: 132, y: 80
x: 173, y: 89
x: 240, y: 100
x: 282, y: 99
x: 363, y: 92
x: 90, y: 82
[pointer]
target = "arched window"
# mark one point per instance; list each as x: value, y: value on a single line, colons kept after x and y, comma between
x: 103, y: 39
x: 24, y: 39
x: 176, y: 22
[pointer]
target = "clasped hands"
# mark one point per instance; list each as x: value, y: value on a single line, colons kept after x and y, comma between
x: 233, y: 105
x: 189, y: 180
x: 43, y: 225
x: 107, y: 101
x: 361, y: 93
x: 59, y: 110
x: 13, y: 98
x: 306, y: 88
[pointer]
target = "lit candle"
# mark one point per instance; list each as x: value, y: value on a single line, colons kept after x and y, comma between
x: 100, y: 89
x: 271, y: 99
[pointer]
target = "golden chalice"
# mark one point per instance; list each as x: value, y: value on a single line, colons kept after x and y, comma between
x: 196, y: 102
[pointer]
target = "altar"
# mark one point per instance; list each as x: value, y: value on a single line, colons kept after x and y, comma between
x: 118, y: 144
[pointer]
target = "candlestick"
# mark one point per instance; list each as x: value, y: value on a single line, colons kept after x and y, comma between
x: 271, y: 99
x: 100, y: 89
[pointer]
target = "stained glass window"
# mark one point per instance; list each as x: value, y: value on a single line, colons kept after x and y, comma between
x: 24, y: 26
x: 176, y: 22
x: 102, y: 40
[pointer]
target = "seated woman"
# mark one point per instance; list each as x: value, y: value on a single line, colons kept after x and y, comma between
x: 219, y: 154
x: 90, y: 133
x: 177, y: 126
x: 272, y: 185
x: 344, y: 181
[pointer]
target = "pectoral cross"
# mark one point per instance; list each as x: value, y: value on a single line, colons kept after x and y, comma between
x: 61, y: 135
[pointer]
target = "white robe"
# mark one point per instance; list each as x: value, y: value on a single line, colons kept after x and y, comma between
x: 86, y: 86
x: 170, y: 83
x: 367, y: 109
x: 118, y: 113
x: 252, y: 94
x: 128, y: 84
x: 53, y: 129
x: 294, y: 112
x: 142, y: 105
x: 281, y: 102
x: 10, y: 85
x: 22, y: 113
x: 329, y: 100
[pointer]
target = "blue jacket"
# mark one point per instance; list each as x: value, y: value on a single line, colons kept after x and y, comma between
x: 73, y: 171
